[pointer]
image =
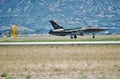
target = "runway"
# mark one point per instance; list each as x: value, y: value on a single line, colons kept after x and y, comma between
x: 61, y: 43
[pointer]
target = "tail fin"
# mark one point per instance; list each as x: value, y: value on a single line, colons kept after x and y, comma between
x: 55, y: 25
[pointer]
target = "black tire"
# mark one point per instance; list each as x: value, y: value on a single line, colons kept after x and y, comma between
x: 75, y: 36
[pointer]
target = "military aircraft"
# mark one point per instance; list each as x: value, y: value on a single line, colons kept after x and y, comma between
x: 60, y: 31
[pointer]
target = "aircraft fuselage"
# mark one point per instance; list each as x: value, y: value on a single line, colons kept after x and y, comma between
x: 60, y: 31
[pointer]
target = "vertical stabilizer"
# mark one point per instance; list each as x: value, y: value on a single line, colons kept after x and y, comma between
x: 55, y: 25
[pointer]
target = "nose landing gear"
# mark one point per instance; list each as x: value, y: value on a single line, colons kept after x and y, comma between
x: 93, y: 35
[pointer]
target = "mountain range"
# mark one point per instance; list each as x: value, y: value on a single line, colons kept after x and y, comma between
x: 32, y: 16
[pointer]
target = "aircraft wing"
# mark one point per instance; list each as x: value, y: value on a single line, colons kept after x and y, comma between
x: 93, y: 29
x: 86, y: 30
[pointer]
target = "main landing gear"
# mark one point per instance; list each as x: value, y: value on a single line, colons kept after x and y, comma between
x: 73, y: 36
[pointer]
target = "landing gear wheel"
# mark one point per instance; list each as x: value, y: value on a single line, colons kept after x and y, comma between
x: 93, y: 35
x: 75, y: 36
x: 71, y: 36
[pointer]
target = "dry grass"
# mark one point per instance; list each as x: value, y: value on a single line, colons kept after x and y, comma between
x: 60, y: 38
x: 61, y: 62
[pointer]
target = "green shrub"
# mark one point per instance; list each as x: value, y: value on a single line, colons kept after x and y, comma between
x: 28, y: 76
x: 4, y: 74
x: 102, y: 77
x: 9, y: 77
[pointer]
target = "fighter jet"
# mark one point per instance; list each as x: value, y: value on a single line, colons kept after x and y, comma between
x: 73, y: 32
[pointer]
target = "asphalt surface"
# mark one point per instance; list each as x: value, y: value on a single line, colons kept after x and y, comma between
x: 62, y: 43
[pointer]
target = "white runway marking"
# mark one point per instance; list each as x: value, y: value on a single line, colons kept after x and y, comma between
x: 62, y: 43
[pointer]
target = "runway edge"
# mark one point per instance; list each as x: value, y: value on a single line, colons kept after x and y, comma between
x: 62, y: 43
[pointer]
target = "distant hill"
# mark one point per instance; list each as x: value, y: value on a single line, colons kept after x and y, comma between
x: 34, y: 15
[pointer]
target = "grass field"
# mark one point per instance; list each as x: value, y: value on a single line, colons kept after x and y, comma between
x: 61, y: 39
x: 60, y: 62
